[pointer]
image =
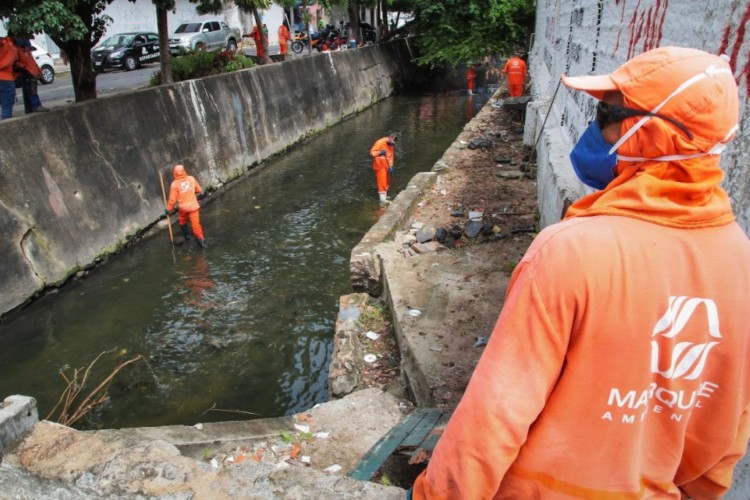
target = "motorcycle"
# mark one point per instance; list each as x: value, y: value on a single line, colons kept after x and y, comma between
x: 301, y: 41
x: 368, y: 32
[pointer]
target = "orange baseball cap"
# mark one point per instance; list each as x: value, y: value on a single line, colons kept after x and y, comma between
x: 709, y: 107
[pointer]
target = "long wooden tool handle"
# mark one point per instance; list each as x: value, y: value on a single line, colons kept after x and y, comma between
x: 164, y: 196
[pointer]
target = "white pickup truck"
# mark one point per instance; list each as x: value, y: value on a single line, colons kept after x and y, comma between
x: 205, y: 35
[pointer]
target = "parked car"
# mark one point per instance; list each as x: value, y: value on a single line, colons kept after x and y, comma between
x: 126, y: 50
x: 45, y: 62
x: 206, y: 35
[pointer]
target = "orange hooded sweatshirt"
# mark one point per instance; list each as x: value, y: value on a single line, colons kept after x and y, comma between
x: 8, y: 57
x: 619, y: 367
x: 183, y: 191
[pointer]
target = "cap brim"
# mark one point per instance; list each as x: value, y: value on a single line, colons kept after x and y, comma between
x: 596, y: 85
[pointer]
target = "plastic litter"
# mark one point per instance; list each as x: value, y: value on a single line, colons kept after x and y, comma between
x: 372, y: 335
x: 302, y: 428
x: 414, y: 312
x: 370, y: 358
x: 333, y: 468
x: 480, y: 341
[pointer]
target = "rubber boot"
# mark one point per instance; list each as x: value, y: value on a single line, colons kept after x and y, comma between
x: 185, y: 232
x: 382, y: 197
x: 202, y: 243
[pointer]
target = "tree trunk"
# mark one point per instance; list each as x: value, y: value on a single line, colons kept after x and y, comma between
x: 164, y: 58
x: 82, y: 72
x: 263, y: 38
x: 353, y: 10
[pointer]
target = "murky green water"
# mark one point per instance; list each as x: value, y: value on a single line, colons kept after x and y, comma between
x: 247, y: 324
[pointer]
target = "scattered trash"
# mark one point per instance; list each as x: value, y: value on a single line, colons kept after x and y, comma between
x: 302, y: 428
x: 333, y: 468
x: 459, y: 211
x: 436, y: 349
x: 480, y: 341
x: 199, y: 426
x: 479, y: 143
x: 372, y: 335
x: 370, y: 358
x: 281, y: 448
x: 473, y: 228
x: 214, y: 463
x: 414, y: 313
x: 305, y: 459
x: 322, y: 435
x: 475, y: 215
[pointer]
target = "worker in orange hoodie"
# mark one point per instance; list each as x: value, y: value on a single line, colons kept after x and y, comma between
x: 471, y: 74
x: 620, y: 364
x: 515, y: 68
x: 257, y: 37
x: 382, y: 163
x: 284, y: 38
x: 183, y: 193
x: 9, y: 57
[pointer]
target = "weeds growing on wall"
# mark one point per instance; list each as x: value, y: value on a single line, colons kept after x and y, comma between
x: 200, y: 64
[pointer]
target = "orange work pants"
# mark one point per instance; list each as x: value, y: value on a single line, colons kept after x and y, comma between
x: 516, y: 89
x: 381, y: 176
x: 195, y: 221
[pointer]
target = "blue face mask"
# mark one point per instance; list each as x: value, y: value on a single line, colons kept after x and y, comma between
x: 591, y: 159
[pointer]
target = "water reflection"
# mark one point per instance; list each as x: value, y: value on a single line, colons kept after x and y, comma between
x: 247, y: 324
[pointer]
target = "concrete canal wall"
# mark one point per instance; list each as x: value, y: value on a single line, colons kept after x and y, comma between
x: 579, y: 37
x: 79, y: 182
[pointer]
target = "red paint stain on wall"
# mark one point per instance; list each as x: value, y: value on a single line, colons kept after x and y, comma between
x: 645, y: 27
x: 732, y: 47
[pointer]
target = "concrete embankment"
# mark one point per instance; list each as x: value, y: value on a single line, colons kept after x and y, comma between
x: 81, y: 181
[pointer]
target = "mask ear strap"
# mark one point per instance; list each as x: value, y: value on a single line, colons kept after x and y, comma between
x: 710, y: 71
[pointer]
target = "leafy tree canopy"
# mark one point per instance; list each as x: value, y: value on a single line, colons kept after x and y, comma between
x: 51, y: 16
x: 457, y: 31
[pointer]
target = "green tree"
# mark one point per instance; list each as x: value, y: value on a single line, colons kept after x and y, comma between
x: 74, y: 25
x: 455, y: 31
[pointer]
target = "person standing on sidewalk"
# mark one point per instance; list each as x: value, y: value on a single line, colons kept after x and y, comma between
x: 619, y: 366
x: 28, y: 77
x: 382, y: 163
x: 183, y: 193
x: 284, y: 38
x: 8, y: 62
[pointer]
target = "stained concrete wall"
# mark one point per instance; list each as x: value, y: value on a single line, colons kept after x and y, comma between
x: 580, y: 37
x: 79, y: 182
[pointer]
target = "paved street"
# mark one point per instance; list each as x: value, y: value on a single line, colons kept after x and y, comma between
x: 60, y: 92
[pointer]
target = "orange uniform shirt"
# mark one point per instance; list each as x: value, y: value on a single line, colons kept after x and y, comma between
x: 8, y: 56
x: 182, y: 192
x: 381, y: 162
x: 515, y: 68
x: 620, y: 364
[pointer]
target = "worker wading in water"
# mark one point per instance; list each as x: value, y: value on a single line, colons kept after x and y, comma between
x: 471, y: 74
x: 182, y: 193
x: 382, y: 163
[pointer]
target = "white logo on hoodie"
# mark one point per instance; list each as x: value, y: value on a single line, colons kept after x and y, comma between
x: 688, y: 358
